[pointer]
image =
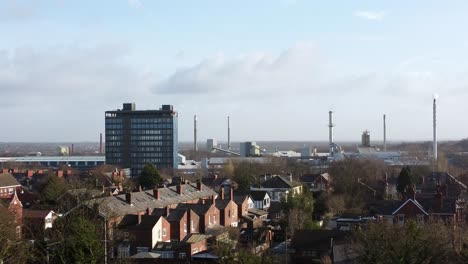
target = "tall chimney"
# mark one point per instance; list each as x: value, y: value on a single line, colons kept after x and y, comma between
x: 100, y: 143
x: 330, y: 131
x: 129, y: 198
x: 229, y: 135
x: 434, y: 124
x: 384, y: 133
x: 195, y: 147
x: 156, y: 193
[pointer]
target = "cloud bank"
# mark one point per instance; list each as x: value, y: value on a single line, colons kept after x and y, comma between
x: 370, y: 15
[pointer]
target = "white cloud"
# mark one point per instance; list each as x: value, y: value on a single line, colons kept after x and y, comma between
x: 135, y: 4
x: 370, y: 15
x: 298, y: 68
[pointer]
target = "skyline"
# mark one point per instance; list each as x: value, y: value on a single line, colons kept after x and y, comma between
x: 275, y: 67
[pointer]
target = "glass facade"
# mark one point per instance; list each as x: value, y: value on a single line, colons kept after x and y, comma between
x: 135, y: 138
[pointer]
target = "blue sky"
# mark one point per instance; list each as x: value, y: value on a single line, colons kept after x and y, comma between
x: 276, y: 67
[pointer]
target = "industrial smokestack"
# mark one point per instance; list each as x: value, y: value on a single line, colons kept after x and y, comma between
x: 434, y: 126
x: 229, y: 135
x: 195, y: 146
x: 384, y: 133
x: 100, y: 143
x: 330, y: 132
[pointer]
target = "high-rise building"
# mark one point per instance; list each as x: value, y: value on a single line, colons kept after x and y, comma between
x: 138, y: 137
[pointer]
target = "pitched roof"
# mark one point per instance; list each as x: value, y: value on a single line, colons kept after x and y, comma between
x: 7, y: 180
x: 258, y: 195
x: 420, y: 207
x: 435, y: 206
x: 257, y: 212
x: 216, y: 182
x: 117, y: 205
x: 175, y: 215
x: 36, y: 213
x: 148, y: 222
x: 278, y: 182
x: 195, y: 237
x: 221, y: 204
x: 199, y: 209
x: 313, y: 177
x: 240, y: 198
x: 428, y: 205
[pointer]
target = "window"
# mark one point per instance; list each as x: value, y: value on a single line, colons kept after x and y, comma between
x: 192, y: 226
x: 124, y: 251
x: 164, y: 232
x: 420, y: 219
x: 214, y: 219
x: 401, y: 219
x: 185, y: 227
x: 229, y: 213
x: 18, y: 232
x: 10, y: 190
x: 209, y: 219
x: 182, y: 255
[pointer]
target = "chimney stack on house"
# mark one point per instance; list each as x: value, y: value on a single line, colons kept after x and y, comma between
x: 222, y: 193
x: 156, y: 193
x: 179, y: 189
x: 199, y: 185
x: 213, y: 200
x: 231, y: 193
x: 129, y: 198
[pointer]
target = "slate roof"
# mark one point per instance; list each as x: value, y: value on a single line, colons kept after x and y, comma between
x: 175, y: 215
x: 258, y: 195
x: 35, y: 213
x: 147, y: 222
x: 257, y: 212
x: 278, y: 182
x: 199, y: 209
x: 221, y: 204
x: 7, y: 180
x: 117, y: 205
x: 428, y: 204
x: 216, y: 182
x: 309, y: 178
x: 239, y: 199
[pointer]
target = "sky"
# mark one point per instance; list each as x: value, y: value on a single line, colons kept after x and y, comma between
x: 276, y: 67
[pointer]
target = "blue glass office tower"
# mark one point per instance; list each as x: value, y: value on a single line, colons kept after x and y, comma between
x: 137, y: 137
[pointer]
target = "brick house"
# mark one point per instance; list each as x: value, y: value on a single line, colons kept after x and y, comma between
x: 227, y: 208
x: 8, y: 185
x: 15, y: 207
x: 261, y: 199
x: 420, y: 209
x: 206, y: 211
x: 179, y: 223
x: 244, y: 203
x: 316, y: 182
x: 37, y: 221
